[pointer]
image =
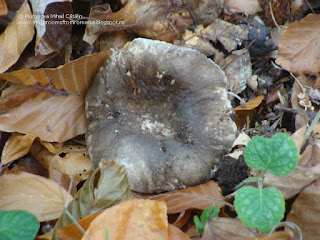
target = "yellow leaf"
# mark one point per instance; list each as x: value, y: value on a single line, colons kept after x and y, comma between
x: 25, y: 191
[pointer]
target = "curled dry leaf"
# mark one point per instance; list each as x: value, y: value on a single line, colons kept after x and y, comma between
x: 237, y: 67
x: 306, y: 211
x: 299, y: 49
x: 16, y: 147
x: 196, y: 40
x: 53, y: 108
x: 228, y: 34
x: 107, y: 186
x: 252, y: 104
x: 198, y: 197
x: 16, y: 37
x: 41, y: 196
x: 73, y: 160
x: 135, y: 219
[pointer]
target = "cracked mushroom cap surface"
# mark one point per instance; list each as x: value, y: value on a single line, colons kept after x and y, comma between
x: 163, y: 112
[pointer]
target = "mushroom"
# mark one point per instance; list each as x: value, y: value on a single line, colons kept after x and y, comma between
x: 163, y: 112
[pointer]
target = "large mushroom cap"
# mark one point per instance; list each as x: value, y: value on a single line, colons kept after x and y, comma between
x: 163, y: 112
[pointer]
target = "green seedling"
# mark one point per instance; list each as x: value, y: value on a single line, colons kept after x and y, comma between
x: 204, y: 218
x: 20, y: 225
x: 263, y: 208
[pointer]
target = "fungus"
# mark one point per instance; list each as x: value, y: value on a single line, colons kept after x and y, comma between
x: 162, y: 111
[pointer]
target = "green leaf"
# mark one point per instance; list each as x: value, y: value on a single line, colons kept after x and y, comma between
x: 278, y: 154
x: 215, y: 212
x: 20, y: 225
x: 107, y: 186
x: 259, y: 209
x: 206, y: 214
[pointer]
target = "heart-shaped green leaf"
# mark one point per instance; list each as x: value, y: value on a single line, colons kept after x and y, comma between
x: 18, y: 225
x: 278, y: 154
x: 259, y: 209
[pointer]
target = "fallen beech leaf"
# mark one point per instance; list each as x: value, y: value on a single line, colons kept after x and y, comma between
x: 53, y: 109
x: 299, y: 49
x: 71, y: 78
x: 154, y: 19
x: 193, y: 233
x: 73, y: 160
x: 52, y: 118
x: 134, y: 219
x: 16, y: 37
x: 46, y: 236
x: 237, y: 67
x: 306, y: 211
x: 16, y: 147
x: 228, y: 34
x: 198, y: 197
x: 176, y: 234
x: 52, y: 147
x: 226, y: 228
x: 197, y: 40
x: 252, y: 104
x: 279, y: 235
x: 41, y: 196
x: 107, y: 186
x: 272, y: 96
x: 72, y: 232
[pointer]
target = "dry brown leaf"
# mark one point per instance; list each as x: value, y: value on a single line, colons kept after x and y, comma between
x: 53, y: 109
x: 154, y: 19
x: 299, y: 49
x: 71, y: 78
x: 193, y: 233
x: 52, y: 118
x: 280, y: 235
x: 237, y: 67
x: 306, y: 211
x: 226, y: 228
x: 73, y: 160
x: 52, y: 147
x: 16, y: 147
x: 46, y: 236
x: 41, y: 196
x: 16, y: 37
x: 252, y: 104
x: 72, y: 232
x: 228, y: 34
x: 134, y: 219
x: 248, y: 7
x: 196, y: 40
x: 198, y: 197
x: 176, y: 234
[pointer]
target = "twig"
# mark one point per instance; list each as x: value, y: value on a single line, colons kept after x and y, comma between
x: 313, y: 124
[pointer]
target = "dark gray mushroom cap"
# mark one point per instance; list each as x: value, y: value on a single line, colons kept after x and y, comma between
x: 163, y: 112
